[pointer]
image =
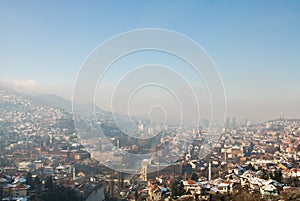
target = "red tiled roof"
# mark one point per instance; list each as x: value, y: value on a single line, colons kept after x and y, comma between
x: 21, y: 186
x: 191, y: 182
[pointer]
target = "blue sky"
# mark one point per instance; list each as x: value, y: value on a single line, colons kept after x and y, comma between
x: 255, y: 44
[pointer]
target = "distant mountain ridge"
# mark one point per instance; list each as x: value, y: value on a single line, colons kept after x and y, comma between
x: 59, y: 102
x: 54, y: 101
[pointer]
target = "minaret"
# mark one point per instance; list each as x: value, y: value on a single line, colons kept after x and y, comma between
x: 74, y: 174
x: 209, y: 171
x: 118, y: 143
x: 51, y: 140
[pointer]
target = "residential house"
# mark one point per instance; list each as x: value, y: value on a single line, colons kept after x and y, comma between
x: 15, y: 190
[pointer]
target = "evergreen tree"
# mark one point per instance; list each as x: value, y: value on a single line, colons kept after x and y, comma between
x: 37, y: 181
x: 264, y: 174
x: 49, y: 183
x: 277, y: 175
x: 194, y: 177
x: 61, y: 194
x: 177, y: 189
x: 29, y: 180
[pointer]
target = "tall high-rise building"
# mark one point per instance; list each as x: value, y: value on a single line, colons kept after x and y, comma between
x: 227, y: 122
x: 150, y: 131
x: 141, y: 126
x: 233, y: 122
x: 281, y: 115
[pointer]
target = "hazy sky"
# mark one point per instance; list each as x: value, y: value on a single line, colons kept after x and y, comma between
x: 255, y: 44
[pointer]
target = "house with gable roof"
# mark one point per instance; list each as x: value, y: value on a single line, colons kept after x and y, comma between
x: 16, y: 190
